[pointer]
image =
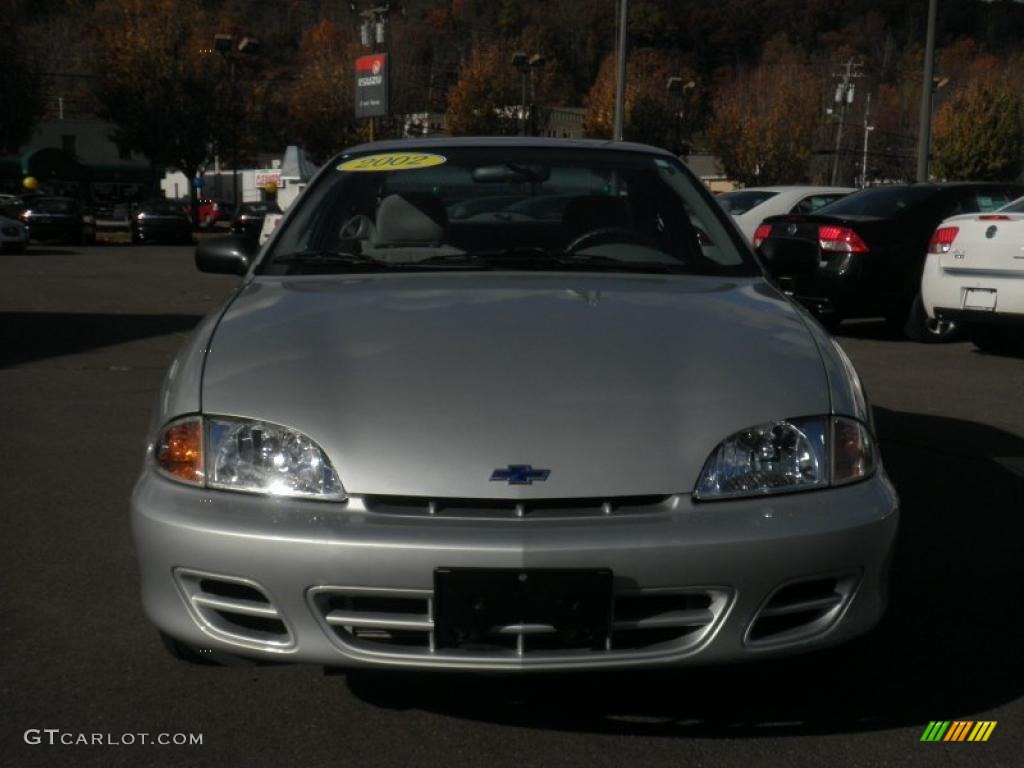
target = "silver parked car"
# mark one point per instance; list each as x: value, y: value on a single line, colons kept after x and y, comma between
x: 589, y: 434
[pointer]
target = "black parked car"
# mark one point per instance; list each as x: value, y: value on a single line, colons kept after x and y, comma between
x: 58, y: 218
x: 248, y: 219
x: 161, y: 220
x: 862, y: 256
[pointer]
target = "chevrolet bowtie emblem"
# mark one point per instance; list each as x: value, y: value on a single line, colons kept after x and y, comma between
x: 520, y: 474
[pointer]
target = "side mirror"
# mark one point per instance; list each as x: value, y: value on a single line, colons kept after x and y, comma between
x: 787, y: 262
x: 228, y: 255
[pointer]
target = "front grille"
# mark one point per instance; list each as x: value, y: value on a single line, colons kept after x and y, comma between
x: 233, y: 609
x: 511, y: 508
x: 801, y: 609
x: 400, y: 623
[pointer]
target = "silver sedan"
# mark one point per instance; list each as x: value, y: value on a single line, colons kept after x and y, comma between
x: 509, y: 404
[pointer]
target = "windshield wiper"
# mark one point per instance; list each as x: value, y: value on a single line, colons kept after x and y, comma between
x: 543, y: 258
x: 322, y: 256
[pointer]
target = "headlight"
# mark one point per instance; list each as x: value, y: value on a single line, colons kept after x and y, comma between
x: 786, y: 456
x: 251, y: 456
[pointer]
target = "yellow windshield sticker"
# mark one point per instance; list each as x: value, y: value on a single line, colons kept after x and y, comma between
x: 392, y: 161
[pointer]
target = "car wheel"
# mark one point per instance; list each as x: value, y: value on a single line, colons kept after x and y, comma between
x: 927, y: 330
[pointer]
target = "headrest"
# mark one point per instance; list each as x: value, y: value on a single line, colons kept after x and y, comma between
x: 585, y: 214
x: 411, y: 218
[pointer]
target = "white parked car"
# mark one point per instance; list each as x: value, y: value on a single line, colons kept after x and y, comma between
x: 749, y: 207
x: 270, y: 222
x: 974, y: 275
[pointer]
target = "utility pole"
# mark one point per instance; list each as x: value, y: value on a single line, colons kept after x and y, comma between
x: 620, y: 79
x: 924, y: 136
x: 843, y: 97
x: 867, y: 132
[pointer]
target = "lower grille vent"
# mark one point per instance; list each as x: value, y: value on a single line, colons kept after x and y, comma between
x: 237, y: 610
x: 801, y: 609
x: 400, y: 622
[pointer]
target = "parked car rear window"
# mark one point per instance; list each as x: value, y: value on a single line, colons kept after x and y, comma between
x: 815, y: 202
x: 740, y: 202
x: 880, y: 201
x: 1017, y: 206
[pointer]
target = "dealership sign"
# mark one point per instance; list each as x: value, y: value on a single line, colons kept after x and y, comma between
x: 268, y: 176
x: 372, y: 85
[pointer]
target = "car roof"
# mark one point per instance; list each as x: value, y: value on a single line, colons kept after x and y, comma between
x: 505, y: 142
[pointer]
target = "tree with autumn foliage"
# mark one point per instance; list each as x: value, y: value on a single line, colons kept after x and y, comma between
x: 154, y: 83
x: 765, y: 118
x: 651, y: 112
x: 485, y: 99
x: 321, y: 103
x: 979, y: 132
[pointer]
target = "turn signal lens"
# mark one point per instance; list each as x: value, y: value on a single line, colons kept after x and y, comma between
x: 853, y: 452
x: 762, y: 233
x: 179, y: 453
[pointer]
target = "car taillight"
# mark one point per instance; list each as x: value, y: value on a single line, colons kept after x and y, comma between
x: 761, y: 234
x: 943, y: 239
x: 994, y: 217
x: 834, y: 239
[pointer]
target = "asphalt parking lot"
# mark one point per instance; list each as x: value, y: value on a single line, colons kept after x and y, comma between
x: 86, y: 336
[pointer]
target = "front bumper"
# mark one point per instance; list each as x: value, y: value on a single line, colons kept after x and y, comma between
x: 288, y: 559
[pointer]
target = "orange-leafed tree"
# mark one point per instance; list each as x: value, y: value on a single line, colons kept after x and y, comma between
x: 765, y: 118
x: 155, y: 82
x: 979, y: 132
x: 652, y: 115
x: 320, y: 105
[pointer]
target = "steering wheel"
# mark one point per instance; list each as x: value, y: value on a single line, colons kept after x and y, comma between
x: 358, y: 227
x: 616, y: 233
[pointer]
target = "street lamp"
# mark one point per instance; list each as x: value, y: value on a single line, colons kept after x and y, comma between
x: 677, y: 88
x: 224, y: 44
x: 526, y: 64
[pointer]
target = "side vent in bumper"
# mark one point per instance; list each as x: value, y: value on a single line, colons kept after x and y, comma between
x: 235, y: 610
x: 801, y: 609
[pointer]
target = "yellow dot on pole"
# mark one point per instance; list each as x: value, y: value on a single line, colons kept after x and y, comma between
x: 270, y: 187
x: 30, y: 182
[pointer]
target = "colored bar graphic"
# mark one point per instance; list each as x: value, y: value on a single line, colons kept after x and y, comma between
x: 958, y: 730
x: 935, y: 730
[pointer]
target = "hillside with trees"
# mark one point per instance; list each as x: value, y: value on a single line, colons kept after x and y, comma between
x: 764, y: 74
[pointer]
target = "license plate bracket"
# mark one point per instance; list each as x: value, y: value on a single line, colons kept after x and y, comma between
x: 980, y: 298
x: 556, y: 608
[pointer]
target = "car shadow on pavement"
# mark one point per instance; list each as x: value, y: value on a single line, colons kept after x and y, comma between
x: 38, y: 250
x: 947, y: 648
x: 29, y: 336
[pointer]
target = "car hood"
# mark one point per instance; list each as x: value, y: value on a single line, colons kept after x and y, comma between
x: 424, y: 384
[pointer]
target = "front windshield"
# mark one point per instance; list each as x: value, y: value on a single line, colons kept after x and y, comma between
x: 497, y: 207
x: 54, y: 205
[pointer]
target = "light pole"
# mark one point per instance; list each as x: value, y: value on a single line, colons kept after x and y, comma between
x: 225, y: 45
x: 924, y: 138
x: 867, y: 132
x: 526, y: 64
x: 678, y: 89
x: 620, y: 74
